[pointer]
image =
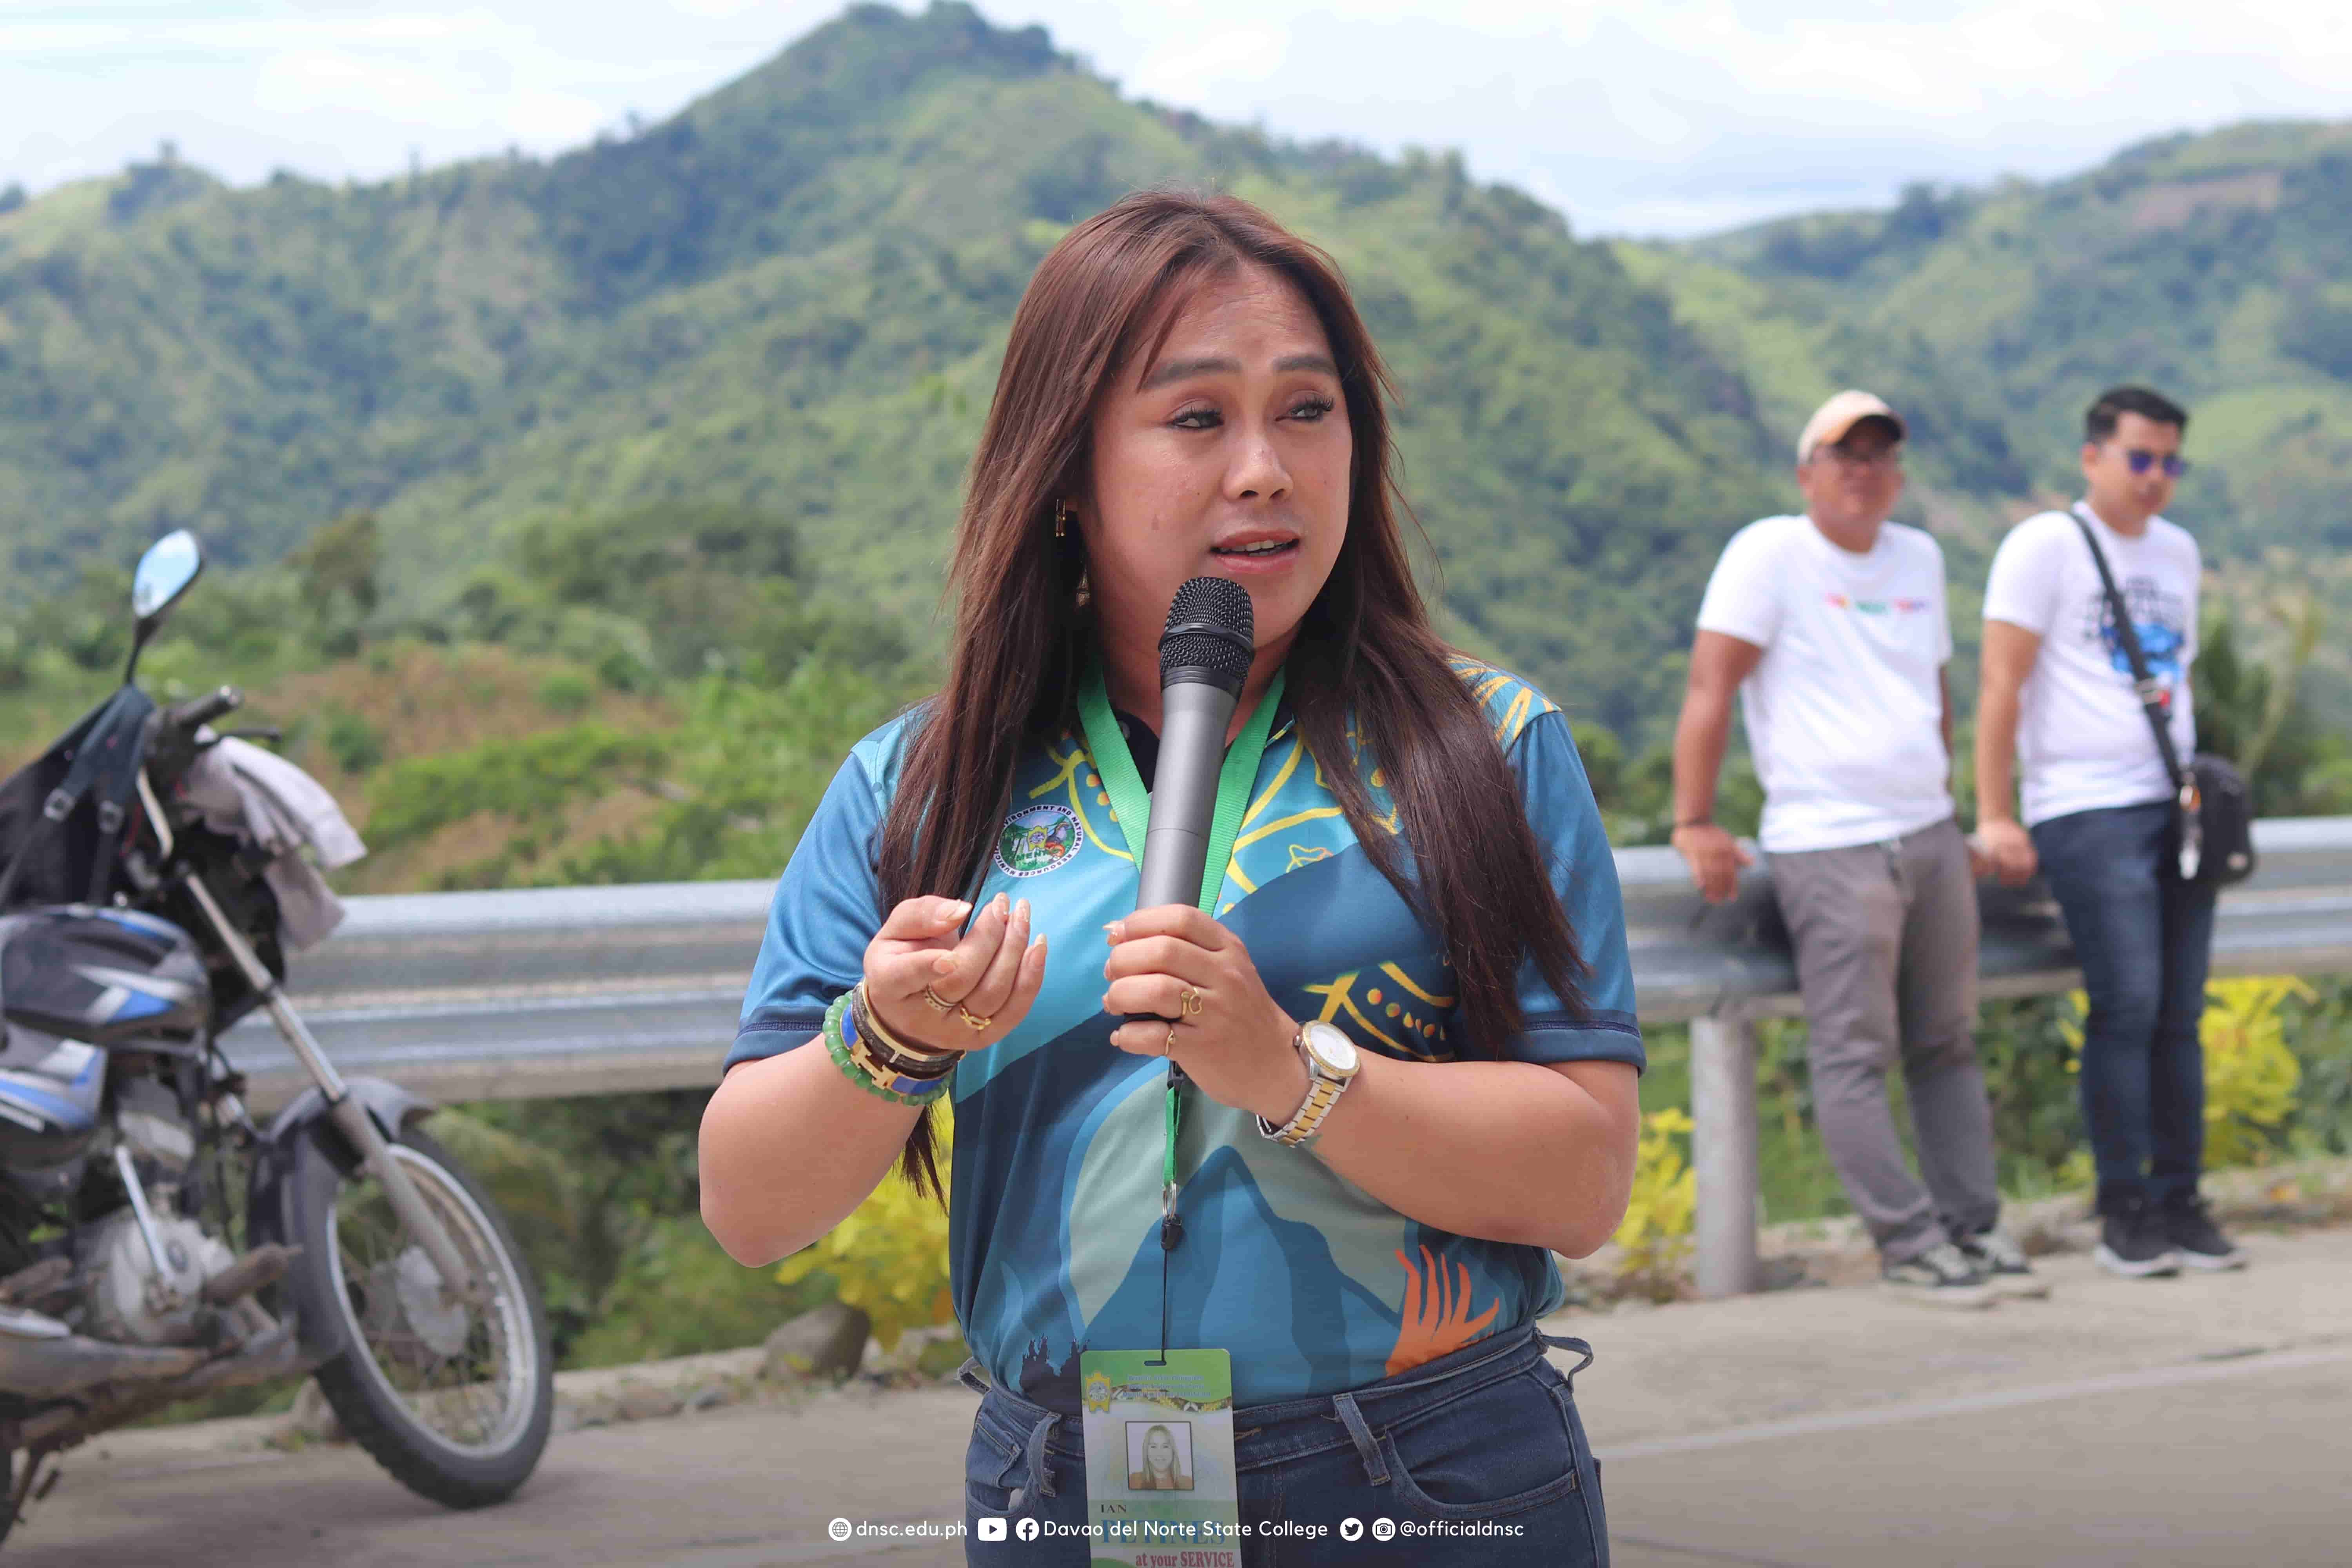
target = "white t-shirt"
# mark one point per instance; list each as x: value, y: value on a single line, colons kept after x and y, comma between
x: 1845, y: 710
x: 2083, y: 742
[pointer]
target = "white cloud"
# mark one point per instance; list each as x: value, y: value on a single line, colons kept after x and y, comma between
x: 1640, y: 115
x: 1232, y: 55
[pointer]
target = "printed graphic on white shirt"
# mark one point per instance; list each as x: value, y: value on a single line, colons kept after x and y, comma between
x: 2160, y: 619
x: 2083, y: 741
x: 1844, y: 711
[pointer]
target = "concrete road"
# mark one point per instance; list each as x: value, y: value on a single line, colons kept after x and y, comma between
x: 2224, y: 1463
x: 2171, y: 1423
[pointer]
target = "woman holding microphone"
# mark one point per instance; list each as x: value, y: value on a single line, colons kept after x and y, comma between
x: 1404, y: 1019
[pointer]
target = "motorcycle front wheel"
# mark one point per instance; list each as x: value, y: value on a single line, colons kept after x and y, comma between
x: 453, y: 1398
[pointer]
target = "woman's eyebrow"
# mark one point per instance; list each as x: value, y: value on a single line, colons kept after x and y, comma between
x: 1185, y: 368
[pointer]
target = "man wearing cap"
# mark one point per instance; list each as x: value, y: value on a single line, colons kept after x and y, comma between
x: 1832, y: 627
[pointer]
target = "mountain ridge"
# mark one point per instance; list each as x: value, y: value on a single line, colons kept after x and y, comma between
x: 790, y: 296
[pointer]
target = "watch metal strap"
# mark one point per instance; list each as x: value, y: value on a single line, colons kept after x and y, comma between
x: 1322, y: 1093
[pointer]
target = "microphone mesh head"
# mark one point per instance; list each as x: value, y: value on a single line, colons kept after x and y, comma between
x: 1209, y: 628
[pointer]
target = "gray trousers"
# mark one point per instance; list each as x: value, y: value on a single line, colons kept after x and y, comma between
x: 1885, y: 940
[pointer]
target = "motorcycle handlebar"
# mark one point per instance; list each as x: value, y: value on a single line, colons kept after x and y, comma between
x: 196, y: 712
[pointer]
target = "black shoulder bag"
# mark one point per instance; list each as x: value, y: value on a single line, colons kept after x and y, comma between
x: 2213, y: 839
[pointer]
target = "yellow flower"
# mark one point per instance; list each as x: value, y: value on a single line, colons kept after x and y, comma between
x: 1655, y: 1233
x: 2251, y: 1074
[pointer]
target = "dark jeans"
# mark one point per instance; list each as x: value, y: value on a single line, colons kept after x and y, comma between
x: 1486, y: 1436
x: 2143, y: 938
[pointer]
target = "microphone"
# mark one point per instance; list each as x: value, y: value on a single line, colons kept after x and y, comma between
x: 1204, y: 657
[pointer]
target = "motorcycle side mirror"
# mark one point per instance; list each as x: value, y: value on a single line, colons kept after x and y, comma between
x: 170, y: 567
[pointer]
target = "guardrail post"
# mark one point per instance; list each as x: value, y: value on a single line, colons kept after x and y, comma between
x: 1723, y: 1152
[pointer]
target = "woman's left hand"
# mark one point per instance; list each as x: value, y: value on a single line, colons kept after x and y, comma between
x: 1228, y: 1035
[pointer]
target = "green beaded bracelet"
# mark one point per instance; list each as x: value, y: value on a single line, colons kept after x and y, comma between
x: 900, y: 1090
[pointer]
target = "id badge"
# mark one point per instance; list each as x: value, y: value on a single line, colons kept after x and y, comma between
x: 1160, y: 1483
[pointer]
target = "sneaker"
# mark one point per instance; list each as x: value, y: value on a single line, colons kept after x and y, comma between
x: 2190, y: 1228
x: 1997, y: 1257
x: 2135, y: 1243
x: 1940, y: 1277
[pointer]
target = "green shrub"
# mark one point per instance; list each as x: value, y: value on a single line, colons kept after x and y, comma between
x: 2029, y: 1048
x: 529, y: 779
x: 746, y: 767
x: 677, y: 1294
x: 356, y: 745
x: 624, y: 672
x: 2318, y: 1029
x: 605, y: 1198
x: 566, y: 693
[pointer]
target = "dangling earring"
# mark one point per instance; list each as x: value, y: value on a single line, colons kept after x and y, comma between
x: 1061, y: 519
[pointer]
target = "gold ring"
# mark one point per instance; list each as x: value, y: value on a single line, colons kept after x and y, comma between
x: 1170, y: 1049
x: 938, y: 1006
x: 1188, y: 1000
x: 973, y: 1021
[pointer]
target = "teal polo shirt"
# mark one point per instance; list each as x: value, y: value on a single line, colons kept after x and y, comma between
x: 1311, y: 1284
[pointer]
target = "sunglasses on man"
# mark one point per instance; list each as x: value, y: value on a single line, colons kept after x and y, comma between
x: 2141, y: 460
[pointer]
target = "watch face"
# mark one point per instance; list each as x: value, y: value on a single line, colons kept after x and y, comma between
x: 1335, y: 1051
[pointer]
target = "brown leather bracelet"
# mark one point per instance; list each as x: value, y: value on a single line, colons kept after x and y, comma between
x: 876, y: 1038
x: 900, y: 1055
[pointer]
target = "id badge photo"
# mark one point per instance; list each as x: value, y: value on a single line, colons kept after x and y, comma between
x: 1161, y: 1484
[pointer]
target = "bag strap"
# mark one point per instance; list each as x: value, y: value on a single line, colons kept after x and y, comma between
x: 58, y: 805
x: 2145, y: 686
x: 109, y: 748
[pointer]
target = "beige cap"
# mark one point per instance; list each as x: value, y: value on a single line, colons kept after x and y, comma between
x: 1841, y: 413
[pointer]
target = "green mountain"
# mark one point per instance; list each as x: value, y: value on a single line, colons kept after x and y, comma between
x: 2217, y: 267
x: 789, y: 301
x: 790, y: 296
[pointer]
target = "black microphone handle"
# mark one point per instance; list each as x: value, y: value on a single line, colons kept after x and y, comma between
x: 1194, y: 716
x: 1192, y: 719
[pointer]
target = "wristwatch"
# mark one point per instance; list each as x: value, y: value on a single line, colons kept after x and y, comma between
x: 1331, y: 1063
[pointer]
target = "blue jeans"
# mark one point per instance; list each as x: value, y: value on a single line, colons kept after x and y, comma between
x: 1486, y: 1436
x: 2144, y: 938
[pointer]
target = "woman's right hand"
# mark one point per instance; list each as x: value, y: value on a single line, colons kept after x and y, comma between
x: 992, y: 972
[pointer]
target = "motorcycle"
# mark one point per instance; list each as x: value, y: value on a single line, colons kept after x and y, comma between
x: 135, y: 1271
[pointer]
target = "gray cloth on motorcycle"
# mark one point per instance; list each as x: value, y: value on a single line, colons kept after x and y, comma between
x: 259, y: 796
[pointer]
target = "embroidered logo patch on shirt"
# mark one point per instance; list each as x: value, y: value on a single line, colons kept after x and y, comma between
x: 1038, y: 838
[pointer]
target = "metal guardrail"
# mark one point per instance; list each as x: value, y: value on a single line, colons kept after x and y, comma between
x: 523, y: 996
x: 569, y: 991
x: 1723, y: 968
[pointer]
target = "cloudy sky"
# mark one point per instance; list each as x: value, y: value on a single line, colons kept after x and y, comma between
x: 1640, y: 116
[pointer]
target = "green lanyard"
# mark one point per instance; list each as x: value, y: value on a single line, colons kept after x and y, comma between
x: 1132, y: 805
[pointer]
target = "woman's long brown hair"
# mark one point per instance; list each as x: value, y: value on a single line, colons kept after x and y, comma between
x: 1366, y: 646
